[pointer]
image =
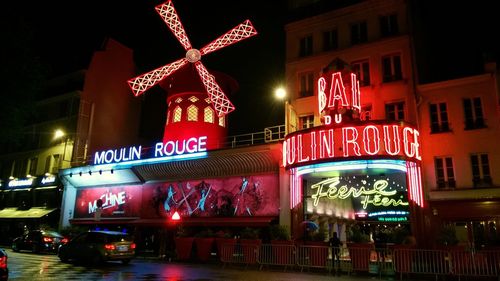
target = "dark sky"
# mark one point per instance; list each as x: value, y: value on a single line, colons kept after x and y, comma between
x: 452, y: 39
x: 66, y: 34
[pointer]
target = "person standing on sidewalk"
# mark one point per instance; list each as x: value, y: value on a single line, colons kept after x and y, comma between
x: 335, y: 244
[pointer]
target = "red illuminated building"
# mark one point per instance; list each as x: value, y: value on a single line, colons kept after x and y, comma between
x: 366, y: 145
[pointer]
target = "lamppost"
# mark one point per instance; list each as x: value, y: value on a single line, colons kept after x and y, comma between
x: 58, y: 134
x: 280, y: 94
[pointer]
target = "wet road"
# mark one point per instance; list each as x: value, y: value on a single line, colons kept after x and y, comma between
x: 28, y: 266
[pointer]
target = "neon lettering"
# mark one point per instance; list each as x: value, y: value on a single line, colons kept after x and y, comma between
x: 299, y: 147
x: 376, y: 196
x: 356, y: 93
x: 321, y: 94
x: 393, y: 141
x: 337, y: 92
x: 375, y: 139
x: 326, y: 144
x: 352, y: 139
x: 117, y: 155
x: 109, y: 200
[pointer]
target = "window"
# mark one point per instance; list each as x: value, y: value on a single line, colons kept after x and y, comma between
x: 306, y: 121
x: 52, y: 164
x: 481, y: 176
x: 391, y: 68
x: 192, y: 113
x: 366, y: 112
x: 439, y: 117
x: 330, y: 40
x: 389, y: 25
x: 306, y: 86
x: 222, y: 121
x: 177, y: 114
x: 473, y: 113
x: 306, y: 46
x: 445, y: 175
x: 359, y: 33
x: 395, y: 111
x: 209, y: 115
x: 32, y: 166
x: 362, y: 71
x: 55, y: 164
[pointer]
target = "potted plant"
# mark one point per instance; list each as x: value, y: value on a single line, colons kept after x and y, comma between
x: 317, y: 247
x: 183, y: 243
x: 204, y: 241
x: 359, y: 248
x: 225, y: 243
x: 250, y: 244
x: 280, y: 244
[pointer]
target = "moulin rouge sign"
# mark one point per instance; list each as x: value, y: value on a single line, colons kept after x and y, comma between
x: 339, y: 98
x: 161, y: 150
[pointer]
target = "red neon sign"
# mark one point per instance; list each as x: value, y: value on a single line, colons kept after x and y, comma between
x: 321, y: 143
x: 334, y: 98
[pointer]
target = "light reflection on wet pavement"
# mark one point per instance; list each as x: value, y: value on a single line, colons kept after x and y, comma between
x: 28, y: 266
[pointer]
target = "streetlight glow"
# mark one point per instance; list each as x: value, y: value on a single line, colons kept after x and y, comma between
x: 280, y: 93
x: 58, y: 134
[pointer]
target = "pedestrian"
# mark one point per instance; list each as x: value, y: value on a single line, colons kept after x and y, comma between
x: 335, y: 244
x: 380, y: 241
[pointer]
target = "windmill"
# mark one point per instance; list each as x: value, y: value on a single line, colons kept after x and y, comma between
x: 217, y: 98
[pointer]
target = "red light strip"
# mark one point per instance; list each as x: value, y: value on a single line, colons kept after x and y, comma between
x: 221, y: 103
x: 238, y: 33
x: 295, y: 188
x: 415, y: 191
x: 169, y: 15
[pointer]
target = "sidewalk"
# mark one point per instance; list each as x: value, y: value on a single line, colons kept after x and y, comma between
x: 272, y: 273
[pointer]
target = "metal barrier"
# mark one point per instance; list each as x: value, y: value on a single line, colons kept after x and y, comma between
x: 313, y: 256
x: 277, y: 255
x: 385, y: 261
x: 239, y: 253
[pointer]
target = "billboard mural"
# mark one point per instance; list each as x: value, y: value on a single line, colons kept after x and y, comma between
x: 367, y: 197
x: 227, y: 197
x: 117, y: 201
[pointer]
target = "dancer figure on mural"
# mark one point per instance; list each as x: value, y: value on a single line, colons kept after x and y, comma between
x: 170, y: 199
x: 247, y: 200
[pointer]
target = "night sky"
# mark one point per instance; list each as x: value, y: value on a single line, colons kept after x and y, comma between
x: 63, y: 35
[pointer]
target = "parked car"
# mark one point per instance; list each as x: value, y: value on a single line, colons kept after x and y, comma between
x: 4, y: 269
x: 99, y: 246
x: 39, y: 241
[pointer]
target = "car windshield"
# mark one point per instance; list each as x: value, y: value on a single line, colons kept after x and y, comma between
x: 52, y: 234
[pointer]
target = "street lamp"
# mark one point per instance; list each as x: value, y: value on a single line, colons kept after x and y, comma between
x: 58, y: 134
x: 280, y: 93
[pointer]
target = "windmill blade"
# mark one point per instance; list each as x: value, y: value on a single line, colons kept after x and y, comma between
x: 169, y: 16
x: 221, y: 103
x: 147, y: 80
x: 238, y: 33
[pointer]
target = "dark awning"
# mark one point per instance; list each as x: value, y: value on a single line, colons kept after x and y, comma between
x: 14, y: 213
x: 219, y: 163
x: 196, y: 221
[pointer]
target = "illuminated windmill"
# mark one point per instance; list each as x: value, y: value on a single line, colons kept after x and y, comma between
x: 182, y: 114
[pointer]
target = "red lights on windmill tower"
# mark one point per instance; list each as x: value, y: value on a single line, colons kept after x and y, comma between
x: 219, y: 100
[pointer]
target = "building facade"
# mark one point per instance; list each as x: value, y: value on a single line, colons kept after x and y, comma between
x: 457, y: 120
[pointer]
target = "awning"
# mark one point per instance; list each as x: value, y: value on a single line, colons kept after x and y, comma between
x: 219, y: 163
x: 124, y: 220
x: 33, y: 213
x: 195, y: 221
